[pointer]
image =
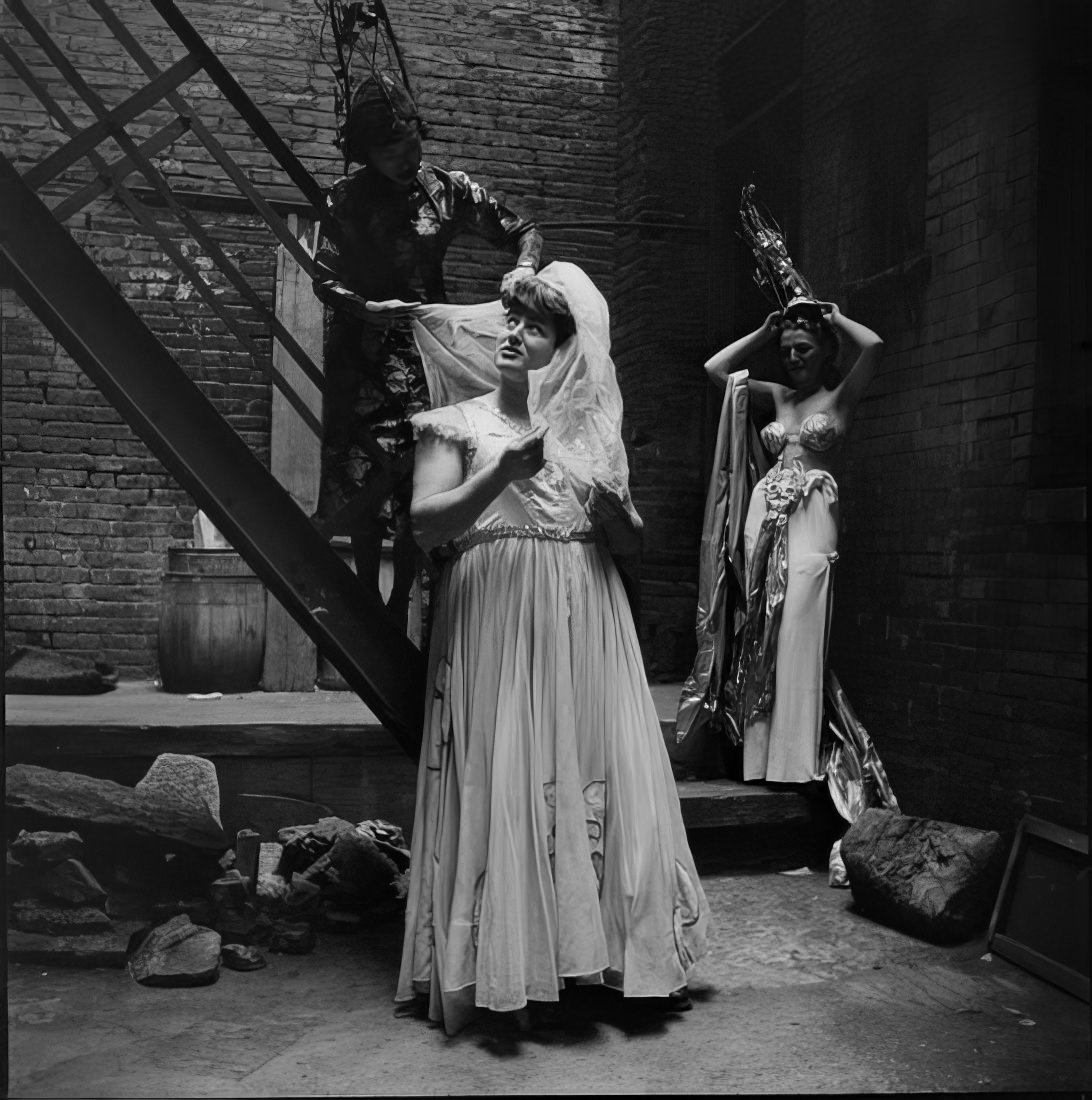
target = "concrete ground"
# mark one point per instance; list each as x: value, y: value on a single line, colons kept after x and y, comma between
x: 798, y: 994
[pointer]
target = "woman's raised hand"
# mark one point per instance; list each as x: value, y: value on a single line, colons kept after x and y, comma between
x: 523, y: 457
x: 605, y: 504
x: 831, y: 310
x: 772, y: 325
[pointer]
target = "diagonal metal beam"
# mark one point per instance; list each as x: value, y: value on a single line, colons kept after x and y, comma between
x: 250, y: 114
x: 117, y: 170
x: 156, y: 232
x: 77, y: 303
x: 110, y: 124
x: 209, y: 140
x: 153, y: 176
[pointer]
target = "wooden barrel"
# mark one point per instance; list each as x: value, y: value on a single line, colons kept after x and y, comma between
x: 211, y: 622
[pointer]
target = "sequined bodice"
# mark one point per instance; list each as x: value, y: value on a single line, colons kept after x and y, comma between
x: 818, y: 432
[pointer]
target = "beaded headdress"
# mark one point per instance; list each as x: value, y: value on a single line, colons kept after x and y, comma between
x: 775, y: 273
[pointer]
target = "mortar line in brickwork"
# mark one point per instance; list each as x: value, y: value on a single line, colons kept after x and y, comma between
x: 246, y: 108
x: 208, y: 139
x: 234, y: 276
x: 154, y: 230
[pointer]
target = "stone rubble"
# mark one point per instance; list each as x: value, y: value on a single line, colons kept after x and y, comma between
x: 134, y: 876
x: 931, y: 878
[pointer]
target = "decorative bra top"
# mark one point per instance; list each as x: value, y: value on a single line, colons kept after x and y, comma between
x: 818, y: 432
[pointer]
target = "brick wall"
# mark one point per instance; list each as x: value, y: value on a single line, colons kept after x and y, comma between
x: 961, y: 623
x: 666, y: 188
x: 923, y: 159
x: 918, y: 160
x: 520, y: 99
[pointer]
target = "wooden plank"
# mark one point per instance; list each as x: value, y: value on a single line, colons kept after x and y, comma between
x: 358, y: 790
x: 719, y: 802
x: 242, y: 775
x: 141, y: 705
x: 291, y: 658
x: 45, y: 744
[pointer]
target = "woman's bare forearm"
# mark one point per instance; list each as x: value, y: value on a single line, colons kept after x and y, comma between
x: 441, y: 516
x: 728, y: 359
x: 860, y: 334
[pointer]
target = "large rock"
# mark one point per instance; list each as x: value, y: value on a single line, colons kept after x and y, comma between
x: 930, y: 878
x: 30, y: 916
x: 176, y: 815
x: 187, y: 782
x: 95, y: 950
x: 30, y: 670
x: 177, y: 953
x: 42, y: 848
x: 68, y: 882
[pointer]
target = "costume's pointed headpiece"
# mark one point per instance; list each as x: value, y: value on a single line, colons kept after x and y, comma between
x: 776, y: 275
x: 373, y: 108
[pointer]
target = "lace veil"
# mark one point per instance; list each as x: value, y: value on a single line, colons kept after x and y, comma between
x: 577, y: 394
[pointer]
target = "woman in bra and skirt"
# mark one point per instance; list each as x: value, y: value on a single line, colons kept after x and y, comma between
x: 791, y: 531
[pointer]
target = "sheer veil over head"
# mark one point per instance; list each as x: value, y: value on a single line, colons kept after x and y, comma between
x: 577, y: 394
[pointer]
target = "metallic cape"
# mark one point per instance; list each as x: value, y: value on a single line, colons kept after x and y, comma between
x: 709, y: 695
x: 738, y: 616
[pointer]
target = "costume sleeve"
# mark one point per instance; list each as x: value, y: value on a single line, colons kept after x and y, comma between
x: 328, y: 283
x: 480, y: 213
x: 446, y: 423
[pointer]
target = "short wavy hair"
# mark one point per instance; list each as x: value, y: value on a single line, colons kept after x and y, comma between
x: 533, y: 295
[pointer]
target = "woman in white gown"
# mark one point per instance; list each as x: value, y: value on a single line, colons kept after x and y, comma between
x: 548, y: 841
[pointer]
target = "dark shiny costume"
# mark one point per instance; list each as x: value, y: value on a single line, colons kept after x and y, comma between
x: 393, y: 246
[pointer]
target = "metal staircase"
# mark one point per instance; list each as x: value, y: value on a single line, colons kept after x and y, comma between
x: 151, y: 391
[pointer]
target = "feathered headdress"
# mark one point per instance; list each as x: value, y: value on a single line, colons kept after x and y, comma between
x: 775, y: 274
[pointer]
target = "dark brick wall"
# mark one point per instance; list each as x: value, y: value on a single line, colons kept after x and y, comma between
x: 521, y: 99
x: 666, y: 192
x: 962, y: 600
x: 926, y: 182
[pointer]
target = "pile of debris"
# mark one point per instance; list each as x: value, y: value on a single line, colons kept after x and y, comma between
x: 101, y: 874
x: 96, y: 862
x: 57, y: 905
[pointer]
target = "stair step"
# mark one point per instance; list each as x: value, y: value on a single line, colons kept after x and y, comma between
x: 261, y: 738
x: 710, y: 803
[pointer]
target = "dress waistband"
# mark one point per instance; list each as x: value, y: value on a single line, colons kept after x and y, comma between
x: 517, y: 531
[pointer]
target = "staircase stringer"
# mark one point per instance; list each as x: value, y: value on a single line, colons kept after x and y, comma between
x: 108, y: 340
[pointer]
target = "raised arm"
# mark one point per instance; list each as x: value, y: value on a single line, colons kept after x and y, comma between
x: 444, y: 505
x: 870, y: 351
x: 489, y: 218
x: 730, y: 358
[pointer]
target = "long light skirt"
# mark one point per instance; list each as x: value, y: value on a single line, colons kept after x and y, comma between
x: 783, y: 746
x: 548, y: 841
